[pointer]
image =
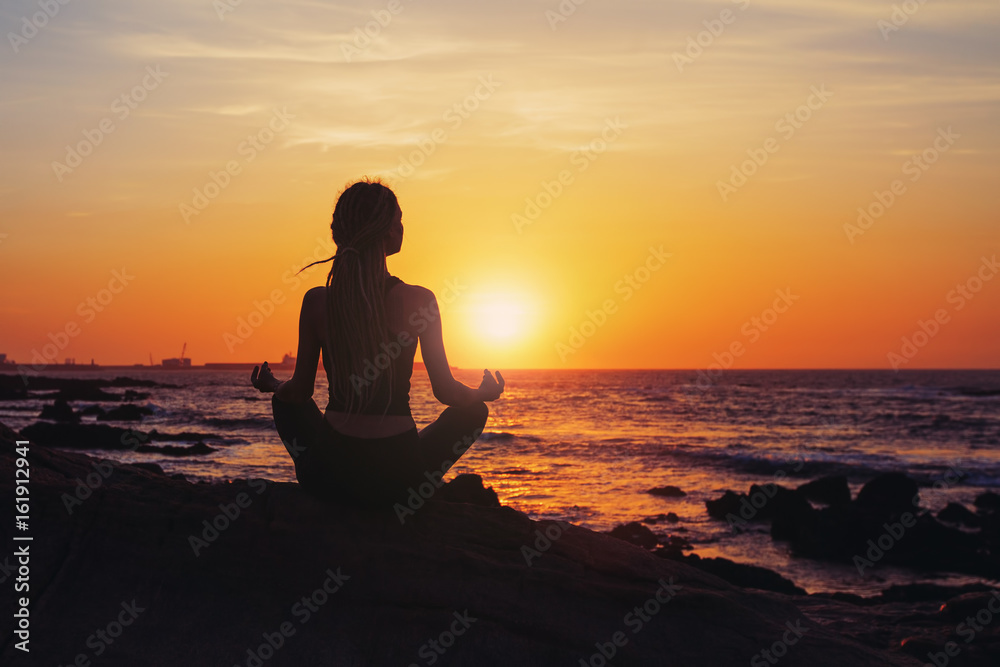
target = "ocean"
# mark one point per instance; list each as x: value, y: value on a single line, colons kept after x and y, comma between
x: 585, y: 446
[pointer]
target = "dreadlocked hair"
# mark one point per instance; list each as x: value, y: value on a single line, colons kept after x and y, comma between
x: 356, y: 325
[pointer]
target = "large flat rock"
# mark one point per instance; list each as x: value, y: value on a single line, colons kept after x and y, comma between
x: 126, y: 554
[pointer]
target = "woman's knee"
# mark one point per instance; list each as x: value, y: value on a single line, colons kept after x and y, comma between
x: 479, y: 412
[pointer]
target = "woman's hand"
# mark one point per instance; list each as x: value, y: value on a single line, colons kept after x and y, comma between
x: 264, y: 380
x: 490, y: 389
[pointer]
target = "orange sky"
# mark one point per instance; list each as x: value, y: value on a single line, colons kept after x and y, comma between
x: 537, y: 162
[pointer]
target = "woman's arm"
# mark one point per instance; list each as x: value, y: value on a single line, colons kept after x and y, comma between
x: 446, y: 388
x: 300, y: 387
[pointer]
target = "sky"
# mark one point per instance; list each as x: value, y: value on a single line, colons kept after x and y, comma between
x: 584, y: 184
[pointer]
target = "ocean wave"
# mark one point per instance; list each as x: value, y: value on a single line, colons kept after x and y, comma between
x: 504, y: 436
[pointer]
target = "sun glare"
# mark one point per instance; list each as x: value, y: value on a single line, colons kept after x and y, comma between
x: 500, y: 317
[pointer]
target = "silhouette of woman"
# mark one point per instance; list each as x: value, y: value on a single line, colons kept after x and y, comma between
x: 366, y: 447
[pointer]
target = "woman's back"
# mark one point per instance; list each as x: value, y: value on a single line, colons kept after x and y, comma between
x: 388, y: 372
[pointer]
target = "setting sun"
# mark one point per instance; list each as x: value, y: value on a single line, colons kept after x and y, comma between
x: 500, y: 317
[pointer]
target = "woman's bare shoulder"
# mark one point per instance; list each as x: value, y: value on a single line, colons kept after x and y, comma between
x: 415, y: 294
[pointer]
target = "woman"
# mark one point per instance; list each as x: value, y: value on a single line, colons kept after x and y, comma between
x: 366, y: 447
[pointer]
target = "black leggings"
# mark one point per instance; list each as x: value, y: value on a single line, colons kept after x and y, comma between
x: 372, y: 471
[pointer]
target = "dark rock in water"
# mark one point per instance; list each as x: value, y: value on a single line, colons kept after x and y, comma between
x: 772, y: 500
x: 762, y: 503
x: 925, y: 593
x: 151, y: 467
x: 12, y: 388
x: 669, y: 517
x: 132, y: 395
x: 988, y: 501
x: 870, y: 539
x: 739, y: 574
x: 59, y: 411
x: 80, y: 436
x: 92, y: 410
x: 174, y: 437
x: 197, y: 449
x: 667, y: 492
x: 125, y: 413
x: 832, y: 490
x: 101, y: 436
x: 959, y: 514
x: 726, y: 504
x: 889, y: 493
x: 468, y: 488
x: 635, y: 533
x: 140, y: 541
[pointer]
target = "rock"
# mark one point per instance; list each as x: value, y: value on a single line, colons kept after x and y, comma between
x: 468, y: 488
x: 832, y: 490
x: 126, y: 412
x: 59, y: 411
x: 101, y: 436
x: 726, y: 504
x: 739, y: 574
x: 92, y: 410
x: 667, y: 492
x: 197, y: 449
x: 151, y: 467
x: 132, y: 395
x: 959, y: 514
x: 211, y: 598
x: 889, y: 493
x: 78, y: 436
x: 669, y: 517
x: 988, y: 501
x: 635, y: 533
x: 765, y: 502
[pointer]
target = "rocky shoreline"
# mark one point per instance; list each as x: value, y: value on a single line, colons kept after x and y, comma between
x: 146, y: 569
